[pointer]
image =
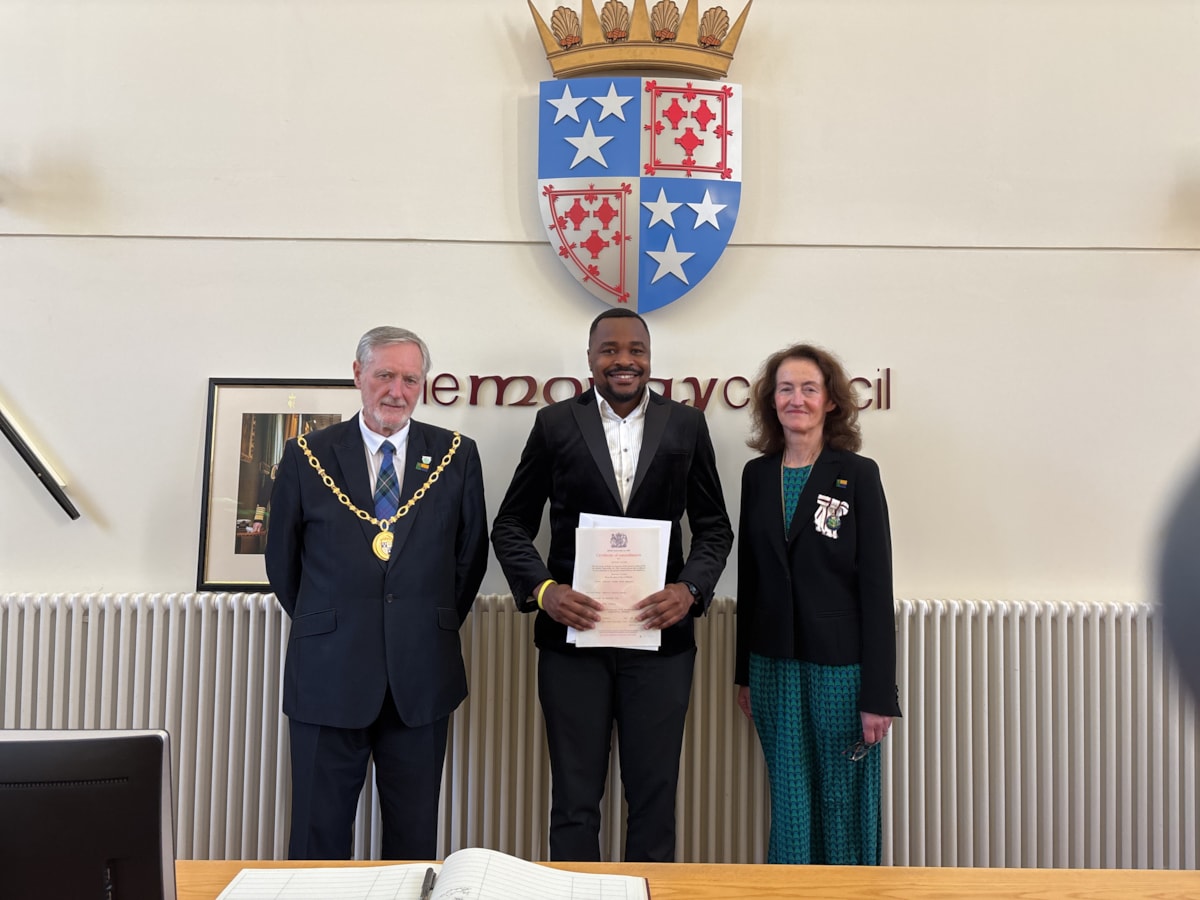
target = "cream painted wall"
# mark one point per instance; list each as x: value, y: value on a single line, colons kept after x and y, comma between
x: 998, y: 200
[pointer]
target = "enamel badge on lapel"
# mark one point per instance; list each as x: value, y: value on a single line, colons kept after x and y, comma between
x: 639, y: 179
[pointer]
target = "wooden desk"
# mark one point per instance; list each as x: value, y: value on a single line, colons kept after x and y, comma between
x: 202, y: 880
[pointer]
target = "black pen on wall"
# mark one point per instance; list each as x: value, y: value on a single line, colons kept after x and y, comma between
x: 41, y: 468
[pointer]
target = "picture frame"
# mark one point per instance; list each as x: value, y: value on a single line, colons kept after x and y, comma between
x: 248, y: 422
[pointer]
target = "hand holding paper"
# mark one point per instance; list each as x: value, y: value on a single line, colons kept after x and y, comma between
x: 575, y: 610
x: 664, y: 608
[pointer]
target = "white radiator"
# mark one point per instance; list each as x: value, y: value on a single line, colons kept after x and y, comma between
x: 1039, y: 735
x: 1034, y: 734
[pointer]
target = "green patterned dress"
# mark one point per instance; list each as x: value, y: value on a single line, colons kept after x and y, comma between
x: 824, y: 802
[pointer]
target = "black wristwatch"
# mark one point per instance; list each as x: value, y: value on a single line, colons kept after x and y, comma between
x: 697, y: 597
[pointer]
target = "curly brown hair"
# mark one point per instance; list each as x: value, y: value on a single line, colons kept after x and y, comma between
x: 841, y: 430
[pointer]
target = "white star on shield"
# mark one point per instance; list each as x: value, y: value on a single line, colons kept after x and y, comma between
x: 670, y: 261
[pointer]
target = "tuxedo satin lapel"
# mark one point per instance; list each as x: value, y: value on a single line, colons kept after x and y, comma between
x: 354, y: 479
x: 412, y: 479
x: 657, y: 415
x: 587, y: 416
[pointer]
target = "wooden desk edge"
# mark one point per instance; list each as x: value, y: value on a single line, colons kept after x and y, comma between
x: 205, y: 879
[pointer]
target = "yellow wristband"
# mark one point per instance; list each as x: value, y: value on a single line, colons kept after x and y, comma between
x: 542, y: 590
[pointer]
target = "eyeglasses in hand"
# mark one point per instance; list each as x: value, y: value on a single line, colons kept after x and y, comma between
x: 857, y: 751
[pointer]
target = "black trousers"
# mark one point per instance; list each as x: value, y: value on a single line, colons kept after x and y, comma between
x: 583, y: 694
x: 328, y: 769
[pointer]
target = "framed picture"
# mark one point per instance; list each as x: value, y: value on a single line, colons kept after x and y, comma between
x: 249, y: 420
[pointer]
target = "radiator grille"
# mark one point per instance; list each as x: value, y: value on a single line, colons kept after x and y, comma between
x: 1034, y: 734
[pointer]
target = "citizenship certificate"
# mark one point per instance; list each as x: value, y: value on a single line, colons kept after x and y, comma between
x: 619, y: 563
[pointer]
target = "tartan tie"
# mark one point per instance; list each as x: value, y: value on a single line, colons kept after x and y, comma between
x: 387, y: 487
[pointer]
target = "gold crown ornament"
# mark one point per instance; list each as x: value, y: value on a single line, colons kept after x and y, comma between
x: 660, y: 38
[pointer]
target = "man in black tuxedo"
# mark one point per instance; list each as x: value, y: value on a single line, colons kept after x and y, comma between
x: 618, y: 450
x: 377, y: 547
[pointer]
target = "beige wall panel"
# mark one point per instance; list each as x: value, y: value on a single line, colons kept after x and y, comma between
x: 1043, y: 403
x: 1064, y: 123
x: 923, y: 122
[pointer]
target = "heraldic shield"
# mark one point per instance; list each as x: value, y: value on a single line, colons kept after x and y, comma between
x: 639, y: 181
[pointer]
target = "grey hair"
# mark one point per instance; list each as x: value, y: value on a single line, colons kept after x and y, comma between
x: 384, y: 335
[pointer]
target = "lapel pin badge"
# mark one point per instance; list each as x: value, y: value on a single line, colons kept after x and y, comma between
x: 423, y: 465
x: 842, y: 482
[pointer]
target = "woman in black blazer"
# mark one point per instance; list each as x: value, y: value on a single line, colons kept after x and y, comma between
x: 816, y: 646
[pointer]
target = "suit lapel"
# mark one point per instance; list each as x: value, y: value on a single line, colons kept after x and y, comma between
x: 351, y: 455
x: 657, y: 415
x: 771, y: 477
x: 587, y: 416
x: 822, y: 473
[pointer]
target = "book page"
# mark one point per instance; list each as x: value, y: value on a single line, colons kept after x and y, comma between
x: 477, y: 874
x: 401, y: 882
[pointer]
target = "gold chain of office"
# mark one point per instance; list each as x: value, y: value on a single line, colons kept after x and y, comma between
x: 382, y: 545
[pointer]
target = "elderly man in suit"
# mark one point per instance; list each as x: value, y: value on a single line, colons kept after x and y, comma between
x: 377, y: 547
x: 619, y: 450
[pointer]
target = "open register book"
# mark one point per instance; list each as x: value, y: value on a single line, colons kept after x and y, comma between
x: 471, y: 874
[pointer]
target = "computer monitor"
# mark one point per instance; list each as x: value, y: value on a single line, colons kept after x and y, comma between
x: 86, y: 814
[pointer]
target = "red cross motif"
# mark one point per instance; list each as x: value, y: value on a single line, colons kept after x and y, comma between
x: 576, y: 214
x: 689, y: 142
x: 688, y: 153
x: 605, y: 213
x: 594, y: 244
x: 602, y: 257
x: 674, y: 113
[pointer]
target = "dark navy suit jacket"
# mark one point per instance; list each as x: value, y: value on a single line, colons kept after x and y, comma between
x: 360, y: 625
x: 812, y: 596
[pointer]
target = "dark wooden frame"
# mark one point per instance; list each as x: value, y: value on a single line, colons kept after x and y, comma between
x: 229, y: 400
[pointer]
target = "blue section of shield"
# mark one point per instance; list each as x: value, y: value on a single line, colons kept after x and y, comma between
x: 614, y: 140
x: 687, y: 231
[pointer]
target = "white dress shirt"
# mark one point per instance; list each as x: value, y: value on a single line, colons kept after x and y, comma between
x: 624, y: 438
